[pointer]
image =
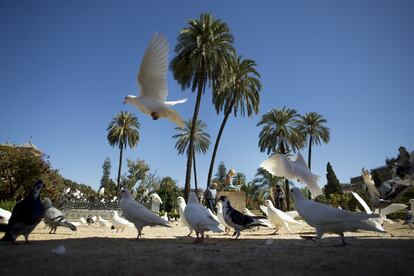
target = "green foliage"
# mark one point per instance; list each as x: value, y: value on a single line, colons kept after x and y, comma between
x: 402, y: 214
x: 168, y: 192
x: 333, y: 186
x: 7, y: 204
x: 220, y: 176
x: 137, y: 171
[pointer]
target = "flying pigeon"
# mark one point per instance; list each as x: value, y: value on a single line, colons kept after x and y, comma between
x: 327, y: 219
x: 221, y: 218
x: 119, y: 223
x: 199, y: 218
x: 181, y: 208
x: 138, y: 214
x: 54, y: 217
x: 278, y: 217
x: 26, y: 215
x: 152, y: 80
x: 382, y: 212
x: 386, y: 193
x: 238, y: 220
x: 280, y: 165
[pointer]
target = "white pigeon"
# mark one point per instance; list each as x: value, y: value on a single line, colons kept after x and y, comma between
x: 138, y: 214
x: 278, y: 217
x: 200, y: 218
x: 4, y: 216
x: 119, y: 223
x: 181, y: 208
x: 327, y: 219
x: 220, y: 217
x: 156, y: 197
x: 103, y: 222
x: 101, y: 191
x: 152, y: 80
x: 280, y: 165
x: 83, y: 221
x: 294, y: 214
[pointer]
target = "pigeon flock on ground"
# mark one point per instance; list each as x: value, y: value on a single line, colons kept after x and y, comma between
x: 152, y: 100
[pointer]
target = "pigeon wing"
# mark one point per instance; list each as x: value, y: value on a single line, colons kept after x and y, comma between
x: 278, y: 165
x: 362, y: 202
x: 153, y: 71
x: 392, y: 208
x: 264, y: 209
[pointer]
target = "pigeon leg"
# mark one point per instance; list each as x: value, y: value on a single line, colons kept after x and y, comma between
x: 189, y: 234
x: 343, y: 239
x: 197, y: 240
x: 54, y: 230
x: 238, y: 235
x: 234, y: 234
x: 50, y: 232
x: 26, y: 237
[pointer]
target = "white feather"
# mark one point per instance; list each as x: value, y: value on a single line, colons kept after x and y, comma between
x: 152, y: 80
x: 278, y: 217
x: 280, y: 165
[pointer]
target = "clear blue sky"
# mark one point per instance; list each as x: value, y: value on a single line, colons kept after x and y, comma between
x: 65, y: 67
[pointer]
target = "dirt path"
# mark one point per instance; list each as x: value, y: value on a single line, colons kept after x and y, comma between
x: 164, y: 251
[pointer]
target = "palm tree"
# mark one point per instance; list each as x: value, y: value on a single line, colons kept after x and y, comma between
x: 201, y: 141
x: 280, y: 135
x: 312, y: 125
x: 239, y: 93
x: 123, y: 131
x: 202, y: 51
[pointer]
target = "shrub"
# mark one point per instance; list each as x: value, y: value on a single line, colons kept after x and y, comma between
x: 7, y: 204
x: 402, y: 214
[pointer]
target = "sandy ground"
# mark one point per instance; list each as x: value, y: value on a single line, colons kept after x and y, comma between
x: 166, y: 251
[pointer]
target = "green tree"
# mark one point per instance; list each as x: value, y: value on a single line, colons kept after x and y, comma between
x: 137, y: 171
x: 202, y: 51
x: 220, y: 176
x: 312, y: 126
x: 168, y: 192
x: 280, y: 135
x: 238, y: 94
x: 332, y: 186
x: 239, y: 179
x: 123, y: 131
x: 201, y: 141
x: 106, y: 181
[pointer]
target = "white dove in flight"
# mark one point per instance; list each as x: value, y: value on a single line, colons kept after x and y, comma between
x: 152, y: 80
x: 280, y: 165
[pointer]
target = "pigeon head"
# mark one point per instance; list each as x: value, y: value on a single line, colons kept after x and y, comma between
x: 129, y: 99
x: 268, y: 203
x: 124, y: 194
x: 180, y: 200
x: 192, y: 198
x: 297, y: 193
x: 47, y: 203
x: 223, y: 199
x: 37, y: 188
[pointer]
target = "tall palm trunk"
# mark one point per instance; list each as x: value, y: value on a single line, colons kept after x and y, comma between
x: 191, y: 144
x: 287, y: 191
x: 121, y: 150
x: 309, y: 157
x: 213, y: 156
x: 195, y: 173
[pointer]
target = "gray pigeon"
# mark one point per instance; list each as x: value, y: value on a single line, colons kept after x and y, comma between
x: 54, y: 217
x: 26, y: 215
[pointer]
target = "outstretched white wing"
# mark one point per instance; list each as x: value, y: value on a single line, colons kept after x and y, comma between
x: 153, y: 71
x: 362, y: 202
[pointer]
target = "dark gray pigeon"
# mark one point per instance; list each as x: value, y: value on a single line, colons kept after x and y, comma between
x: 26, y: 215
x: 54, y: 217
x: 238, y: 220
